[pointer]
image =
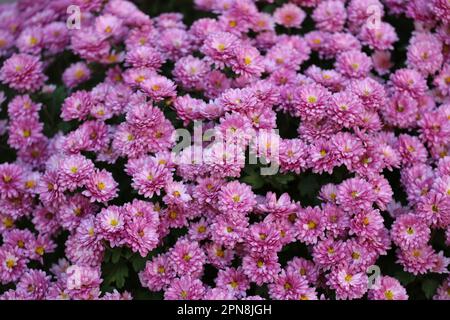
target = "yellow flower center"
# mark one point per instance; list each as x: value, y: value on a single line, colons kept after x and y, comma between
x: 187, y: 257
x: 247, y: 61
x: 30, y: 184
x: 8, y: 222
x: 233, y: 284
x: 10, y: 263
x: 40, y: 250
x: 260, y: 263
x: 79, y: 74
x: 33, y: 41
x: 140, y: 79
x: 220, y: 253
x: 114, y: 222
x: 161, y: 269
x: 77, y: 211
x: 236, y: 198
x: 201, y: 229
x: 409, y: 231
x: 366, y: 221
x: 173, y: 214
x: 312, y: 225
x: 389, y: 294
x: 101, y: 186
x: 416, y: 253
x: 348, y: 278
x: 26, y: 133
x: 312, y: 99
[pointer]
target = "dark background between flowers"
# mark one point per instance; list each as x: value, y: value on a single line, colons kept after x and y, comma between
x: 121, y: 266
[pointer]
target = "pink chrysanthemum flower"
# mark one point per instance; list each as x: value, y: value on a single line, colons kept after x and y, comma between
x: 443, y: 291
x: 345, y: 109
x: 76, y: 74
x: 75, y: 171
x: 247, y: 62
x: 83, y: 282
x: 330, y: 16
x: 33, y: 285
x: 409, y: 81
x: 77, y: 106
x: 23, y: 72
x: 157, y: 274
x: 150, y: 178
x: 328, y: 253
x: 158, y: 87
x: 425, y: 54
x: 289, y: 15
x: 348, y: 283
x: 190, y: 72
x: 434, y: 208
x: 261, y: 268
x: 380, y: 38
x: 287, y: 286
x: 101, y: 186
x: 12, y: 265
x: 262, y: 238
x: 337, y: 221
x: 417, y: 260
x: 310, y: 225
x: 233, y: 280
x: 355, y: 194
x: 187, y: 258
x: 311, y: 101
x: 367, y: 223
x: 353, y: 64
x: 410, y: 231
x: 236, y: 197
x: 11, y: 180
x: 388, y: 289
x: 293, y: 155
x: 185, y: 288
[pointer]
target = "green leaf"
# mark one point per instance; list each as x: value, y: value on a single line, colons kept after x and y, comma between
x: 117, y: 274
x: 138, y: 262
x: 115, y: 255
x: 429, y: 287
x: 404, y: 277
x: 253, y: 177
x: 308, y: 186
x: 284, y: 178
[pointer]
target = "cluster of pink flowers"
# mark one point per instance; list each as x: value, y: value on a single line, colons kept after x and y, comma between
x: 236, y: 72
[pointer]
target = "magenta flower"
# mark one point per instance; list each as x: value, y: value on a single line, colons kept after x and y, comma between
x: 23, y: 72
